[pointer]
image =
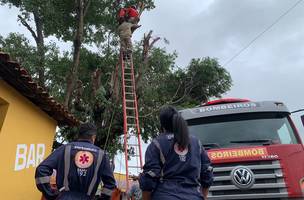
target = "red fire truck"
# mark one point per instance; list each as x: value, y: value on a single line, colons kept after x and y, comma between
x: 255, y: 149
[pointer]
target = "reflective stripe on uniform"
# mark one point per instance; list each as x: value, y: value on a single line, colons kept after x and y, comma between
x: 151, y: 173
x: 67, y: 160
x: 94, y: 179
x: 43, y: 180
x: 106, y: 191
x: 162, y: 158
x: 200, y: 157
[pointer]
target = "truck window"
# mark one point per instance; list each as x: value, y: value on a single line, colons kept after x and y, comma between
x: 284, y: 135
x: 243, y: 130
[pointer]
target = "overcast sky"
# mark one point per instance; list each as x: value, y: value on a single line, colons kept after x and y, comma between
x: 272, y: 68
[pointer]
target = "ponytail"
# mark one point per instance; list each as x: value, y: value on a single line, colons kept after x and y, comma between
x: 172, y: 121
x: 180, y: 130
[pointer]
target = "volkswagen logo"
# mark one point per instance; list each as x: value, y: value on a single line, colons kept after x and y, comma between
x: 242, y: 177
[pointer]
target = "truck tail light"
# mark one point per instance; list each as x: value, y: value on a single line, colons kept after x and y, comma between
x: 302, y: 184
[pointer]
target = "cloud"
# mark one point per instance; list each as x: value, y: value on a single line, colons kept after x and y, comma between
x: 270, y: 69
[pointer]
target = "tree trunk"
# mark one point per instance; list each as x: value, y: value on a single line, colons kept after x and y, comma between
x: 40, y: 48
x: 39, y: 39
x: 148, y: 43
x: 73, y: 75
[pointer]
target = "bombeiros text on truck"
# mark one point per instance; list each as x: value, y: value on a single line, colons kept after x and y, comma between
x: 255, y: 149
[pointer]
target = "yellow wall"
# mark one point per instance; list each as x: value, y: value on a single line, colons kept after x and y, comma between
x: 25, y: 125
x: 121, y: 181
x: 3, y: 110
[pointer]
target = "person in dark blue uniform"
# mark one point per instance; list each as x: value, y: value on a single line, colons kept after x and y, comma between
x: 176, y: 165
x: 80, y: 166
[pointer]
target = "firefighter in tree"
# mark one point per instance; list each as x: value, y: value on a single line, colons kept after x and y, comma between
x: 129, y: 14
x: 80, y: 167
x: 128, y: 19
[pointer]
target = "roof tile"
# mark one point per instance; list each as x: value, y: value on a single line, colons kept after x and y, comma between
x: 19, y: 78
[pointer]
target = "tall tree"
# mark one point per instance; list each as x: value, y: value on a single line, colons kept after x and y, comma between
x: 81, y: 9
x: 79, y: 21
x: 96, y: 99
x: 92, y: 77
x: 85, y: 21
x: 23, y: 52
x: 31, y: 11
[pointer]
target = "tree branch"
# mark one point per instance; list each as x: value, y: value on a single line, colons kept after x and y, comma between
x: 147, y: 46
x: 96, y: 81
x: 24, y: 23
x: 153, y: 42
x: 188, y: 88
x: 87, y: 4
x: 141, y: 7
x: 168, y: 102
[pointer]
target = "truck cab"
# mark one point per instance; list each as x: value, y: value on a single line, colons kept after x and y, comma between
x: 255, y: 149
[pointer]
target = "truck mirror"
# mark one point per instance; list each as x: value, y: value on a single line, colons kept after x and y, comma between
x: 302, y: 118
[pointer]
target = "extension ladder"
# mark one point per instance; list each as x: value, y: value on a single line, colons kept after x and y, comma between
x: 132, y: 143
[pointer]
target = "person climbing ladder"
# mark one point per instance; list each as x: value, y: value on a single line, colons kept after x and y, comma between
x: 128, y: 19
x: 129, y: 14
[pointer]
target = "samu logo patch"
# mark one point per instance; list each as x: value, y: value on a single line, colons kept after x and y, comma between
x: 84, y: 159
x: 181, y: 153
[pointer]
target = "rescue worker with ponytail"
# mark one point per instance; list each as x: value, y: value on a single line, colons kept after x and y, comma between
x: 176, y: 165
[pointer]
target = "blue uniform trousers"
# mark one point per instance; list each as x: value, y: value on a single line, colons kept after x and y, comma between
x: 172, y: 190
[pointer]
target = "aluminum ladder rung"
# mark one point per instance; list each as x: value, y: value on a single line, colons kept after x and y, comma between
x: 136, y: 155
x: 131, y: 117
x: 134, y: 166
x: 133, y: 135
x: 133, y: 145
x: 130, y: 108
